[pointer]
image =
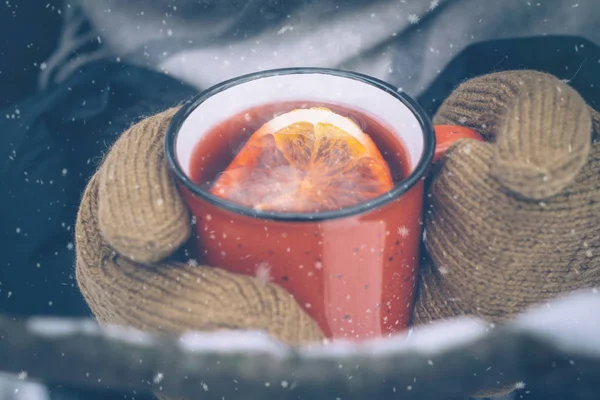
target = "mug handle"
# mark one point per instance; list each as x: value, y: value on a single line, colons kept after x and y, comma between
x: 446, y: 135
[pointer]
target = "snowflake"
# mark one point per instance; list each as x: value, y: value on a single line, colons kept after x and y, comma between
x: 285, y: 29
x: 520, y: 385
x: 70, y: 246
x: 22, y: 375
x: 403, y: 231
x: 413, y: 18
x: 318, y: 265
x: 192, y: 262
x: 64, y: 172
x: 263, y: 272
x: 433, y: 5
x: 158, y: 377
x: 443, y: 270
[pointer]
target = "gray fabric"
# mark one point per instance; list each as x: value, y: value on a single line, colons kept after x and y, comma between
x: 405, y: 42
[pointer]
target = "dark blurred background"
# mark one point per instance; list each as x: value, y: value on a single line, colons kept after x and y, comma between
x: 29, y: 31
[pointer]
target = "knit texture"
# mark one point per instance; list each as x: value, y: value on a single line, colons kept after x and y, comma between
x: 514, y: 222
x: 130, y: 212
x: 140, y: 212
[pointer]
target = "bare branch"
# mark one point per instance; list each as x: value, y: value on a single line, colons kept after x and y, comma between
x: 442, y: 361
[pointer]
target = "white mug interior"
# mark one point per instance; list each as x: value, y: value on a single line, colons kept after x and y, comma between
x: 320, y: 87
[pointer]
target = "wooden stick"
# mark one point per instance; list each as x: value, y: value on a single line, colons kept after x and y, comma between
x: 444, y: 361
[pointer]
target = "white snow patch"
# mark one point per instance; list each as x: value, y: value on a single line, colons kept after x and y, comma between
x: 128, y: 335
x: 56, y: 328
x: 429, y: 340
x: 232, y: 342
x: 567, y: 323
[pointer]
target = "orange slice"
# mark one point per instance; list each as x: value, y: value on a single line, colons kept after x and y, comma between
x: 306, y: 160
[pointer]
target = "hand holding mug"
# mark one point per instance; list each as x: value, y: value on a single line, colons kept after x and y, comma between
x: 352, y: 269
x: 132, y: 220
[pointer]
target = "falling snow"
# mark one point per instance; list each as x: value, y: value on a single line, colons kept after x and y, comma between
x: 192, y: 262
x: 263, y: 272
x: 433, y: 5
x: 520, y: 385
x: 158, y: 377
x: 413, y: 18
x: 403, y: 231
x: 285, y: 29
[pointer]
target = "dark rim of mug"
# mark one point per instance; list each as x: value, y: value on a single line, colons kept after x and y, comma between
x: 399, y: 189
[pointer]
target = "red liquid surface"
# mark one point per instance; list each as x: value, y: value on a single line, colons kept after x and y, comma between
x: 355, y: 275
x: 222, y: 143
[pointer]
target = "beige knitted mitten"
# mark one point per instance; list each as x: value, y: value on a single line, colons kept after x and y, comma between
x: 515, y: 221
x: 130, y: 220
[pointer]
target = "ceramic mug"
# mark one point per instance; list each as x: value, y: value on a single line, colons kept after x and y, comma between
x: 354, y: 270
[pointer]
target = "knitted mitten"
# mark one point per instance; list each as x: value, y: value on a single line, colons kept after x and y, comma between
x: 513, y: 221
x: 130, y: 220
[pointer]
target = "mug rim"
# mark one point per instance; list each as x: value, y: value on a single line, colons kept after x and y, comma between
x: 190, y: 105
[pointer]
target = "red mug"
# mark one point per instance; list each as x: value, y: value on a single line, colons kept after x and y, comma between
x: 353, y: 270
